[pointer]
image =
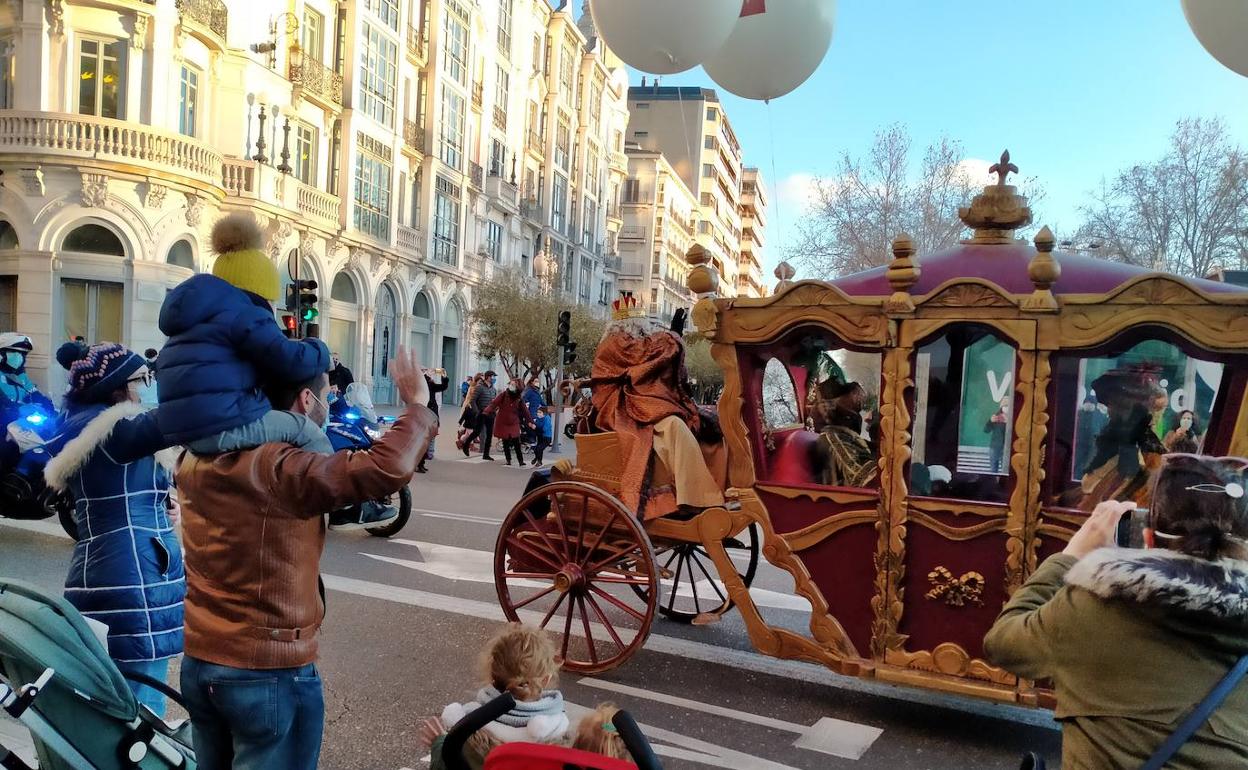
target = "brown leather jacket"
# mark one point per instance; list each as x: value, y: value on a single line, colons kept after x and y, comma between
x: 253, y: 529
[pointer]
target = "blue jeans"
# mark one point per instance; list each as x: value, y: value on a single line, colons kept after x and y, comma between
x: 155, y: 669
x: 254, y: 719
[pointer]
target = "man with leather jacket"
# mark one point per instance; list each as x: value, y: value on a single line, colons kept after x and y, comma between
x: 253, y: 531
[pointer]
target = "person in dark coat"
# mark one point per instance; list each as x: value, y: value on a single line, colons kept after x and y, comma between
x: 534, y: 401
x: 340, y: 377
x: 996, y: 428
x: 126, y: 571
x: 224, y: 346
x: 435, y: 387
x: 482, y: 397
x: 509, y: 413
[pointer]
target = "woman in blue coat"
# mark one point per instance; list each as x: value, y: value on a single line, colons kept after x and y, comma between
x: 126, y: 570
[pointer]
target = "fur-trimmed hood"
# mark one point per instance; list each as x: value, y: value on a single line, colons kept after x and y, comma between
x: 1167, y: 580
x: 77, y: 451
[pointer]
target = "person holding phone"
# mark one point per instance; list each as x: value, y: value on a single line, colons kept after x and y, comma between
x: 1132, y: 638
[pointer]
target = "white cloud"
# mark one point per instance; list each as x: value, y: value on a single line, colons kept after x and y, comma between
x: 796, y: 191
x: 975, y: 171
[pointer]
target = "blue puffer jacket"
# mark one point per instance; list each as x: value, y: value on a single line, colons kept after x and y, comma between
x: 223, y: 347
x: 533, y: 400
x: 126, y: 570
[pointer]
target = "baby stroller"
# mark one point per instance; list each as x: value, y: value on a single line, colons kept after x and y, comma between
x: 57, y: 679
x: 533, y: 756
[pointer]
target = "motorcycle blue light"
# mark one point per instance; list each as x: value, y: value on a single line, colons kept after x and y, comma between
x: 352, y: 415
x: 35, y: 419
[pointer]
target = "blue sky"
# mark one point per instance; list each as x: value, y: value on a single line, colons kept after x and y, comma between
x: 1076, y: 89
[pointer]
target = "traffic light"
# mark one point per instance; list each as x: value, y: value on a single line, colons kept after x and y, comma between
x: 307, y: 301
x: 565, y: 328
x: 292, y: 297
x: 290, y: 326
x: 569, y: 354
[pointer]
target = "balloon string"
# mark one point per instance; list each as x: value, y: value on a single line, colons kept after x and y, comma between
x: 779, y: 220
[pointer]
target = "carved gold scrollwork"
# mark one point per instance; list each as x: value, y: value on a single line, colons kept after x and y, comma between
x: 1027, y: 462
x: 952, y: 660
x: 964, y: 294
x: 956, y: 591
x: 890, y: 570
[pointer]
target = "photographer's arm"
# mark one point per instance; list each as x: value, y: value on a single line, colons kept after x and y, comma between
x: 1024, y: 636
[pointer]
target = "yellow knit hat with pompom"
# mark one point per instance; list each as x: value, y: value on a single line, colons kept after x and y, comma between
x: 240, y: 261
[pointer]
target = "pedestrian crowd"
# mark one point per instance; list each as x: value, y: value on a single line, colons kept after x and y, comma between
x: 518, y: 417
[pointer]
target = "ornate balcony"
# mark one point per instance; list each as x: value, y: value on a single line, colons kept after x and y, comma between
x: 418, y: 43
x: 536, y: 143
x: 413, y: 135
x: 411, y: 243
x: 500, y: 118
x: 212, y: 15
x: 476, y: 175
x: 316, y: 80
x: 612, y: 263
x: 78, y: 138
x: 478, y: 94
x: 255, y: 181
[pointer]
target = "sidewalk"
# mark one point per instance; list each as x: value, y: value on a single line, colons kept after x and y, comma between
x: 449, y: 415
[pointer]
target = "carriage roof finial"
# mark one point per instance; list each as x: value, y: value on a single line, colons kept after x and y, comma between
x: 1003, y: 168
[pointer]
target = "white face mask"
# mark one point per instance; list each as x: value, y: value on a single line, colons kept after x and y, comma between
x: 1186, y: 422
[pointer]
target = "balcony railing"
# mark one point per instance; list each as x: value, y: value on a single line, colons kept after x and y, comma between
x: 476, y: 175
x: 615, y: 213
x: 414, y: 135
x: 530, y: 208
x: 478, y: 94
x: 316, y: 79
x: 500, y: 118
x: 253, y: 180
x: 210, y: 14
x: 82, y: 137
x: 479, y: 266
x: 411, y: 242
x: 612, y: 263
x: 536, y: 142
x: 417, y: 42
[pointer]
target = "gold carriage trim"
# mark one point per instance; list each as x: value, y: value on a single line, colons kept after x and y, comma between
x: 956, y: 591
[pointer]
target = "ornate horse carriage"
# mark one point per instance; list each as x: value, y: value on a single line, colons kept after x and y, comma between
x: 907, y: 443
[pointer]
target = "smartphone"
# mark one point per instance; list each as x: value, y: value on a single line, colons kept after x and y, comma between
x: 1131, y: 529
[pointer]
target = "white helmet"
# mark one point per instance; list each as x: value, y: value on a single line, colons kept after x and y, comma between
x: 15, y: 341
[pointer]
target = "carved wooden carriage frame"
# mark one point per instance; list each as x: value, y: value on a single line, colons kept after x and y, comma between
x: 1039, y: 325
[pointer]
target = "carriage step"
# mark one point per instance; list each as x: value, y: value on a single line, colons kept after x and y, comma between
x: 706, y: 619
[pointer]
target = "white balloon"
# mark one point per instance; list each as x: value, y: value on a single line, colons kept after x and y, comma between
x: 776, y: 46
x: 1221, y: 26
x: 664, y: 36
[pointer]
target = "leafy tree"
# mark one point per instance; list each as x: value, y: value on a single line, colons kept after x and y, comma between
x: 1186, y: 212
x: 704, y: 373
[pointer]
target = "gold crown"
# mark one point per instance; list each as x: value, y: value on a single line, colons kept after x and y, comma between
x: 627, y: 307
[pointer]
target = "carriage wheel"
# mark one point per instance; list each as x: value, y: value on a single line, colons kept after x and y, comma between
x: 586, y: 573
x: 692, y: 589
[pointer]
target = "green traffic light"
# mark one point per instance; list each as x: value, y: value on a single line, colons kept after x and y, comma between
x: 310, y: 314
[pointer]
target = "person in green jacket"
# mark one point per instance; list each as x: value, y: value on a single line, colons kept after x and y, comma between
x: 1132, y: 639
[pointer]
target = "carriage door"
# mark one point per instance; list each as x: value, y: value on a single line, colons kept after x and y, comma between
x: 385, y: 327
x: 949, y: 554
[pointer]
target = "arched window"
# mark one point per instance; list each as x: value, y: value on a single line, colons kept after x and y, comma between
x: 421, y: 308
x: 94, y: 239
x: 181, y: 255
x: 343, y: 289
x: 8, y: 236
x: 453, y: 317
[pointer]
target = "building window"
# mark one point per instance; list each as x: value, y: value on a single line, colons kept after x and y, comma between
x: 94, y: 239
x: 188, y: 101
x: 537, y: 52
x: 372, y: 196
x: 335, y: 158
x: 709, y: 143
x: 377, y: 75
x: 100, y: 86
x: 563, y: 138
x: 567, y: 72
x: 8, y: 301
x: 559, y: 202
x: 502, y: 85
x: 712, y: 113
x: 181, y: 255
x: 386, y: 10
x: 632, y: 190
x: 340, y: 40
x: 8, y: 73
x: 589, y: 226
x: 641, y: 134
x: 343, y: 289
x: 494, y: 240
x: 587, y: 275
x: 455, y: 41
x: 313, y: 34
x: 498, y: 158
x: 305, y: 153
x: 641, y: 106
x: 446, y: 222
x: 504, y: 27
x: 91, y: 310
x: 452, y: 128
x: 708, y: 169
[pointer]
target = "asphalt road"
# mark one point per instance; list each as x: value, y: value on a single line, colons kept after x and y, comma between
x: 407, y: 617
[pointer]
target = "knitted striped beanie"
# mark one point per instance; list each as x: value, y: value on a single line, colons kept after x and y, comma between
x: 102, y: 369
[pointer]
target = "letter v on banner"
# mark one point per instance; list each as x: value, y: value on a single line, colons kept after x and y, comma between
x: 999, y: 390
x: 753, y: 7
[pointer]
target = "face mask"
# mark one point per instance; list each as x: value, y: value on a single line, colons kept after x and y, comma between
x: 14, y: 360
x: 1186, y: 422
x: 513, y: 389
x: 323, y: 417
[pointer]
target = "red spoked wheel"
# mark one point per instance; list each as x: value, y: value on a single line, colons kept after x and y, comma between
x: 573, y: 560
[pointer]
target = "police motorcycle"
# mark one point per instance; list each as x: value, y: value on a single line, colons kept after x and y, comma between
x: 30, y: 424
x: 354, y: 425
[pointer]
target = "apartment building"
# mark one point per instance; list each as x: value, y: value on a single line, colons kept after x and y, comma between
x: 689, y: 126
x: 753, y: 210
x: 659, y: 213
x: 357, y: 133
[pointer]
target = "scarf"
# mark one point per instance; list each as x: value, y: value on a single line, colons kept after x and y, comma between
x: 550, y: 704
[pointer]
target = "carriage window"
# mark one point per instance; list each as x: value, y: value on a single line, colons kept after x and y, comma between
x: 818, y: 407
x: 1118, y: 413
x: 963, y: 416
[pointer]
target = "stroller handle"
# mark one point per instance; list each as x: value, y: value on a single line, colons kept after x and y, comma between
x: 635, y: 742
x: 453, y: 744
